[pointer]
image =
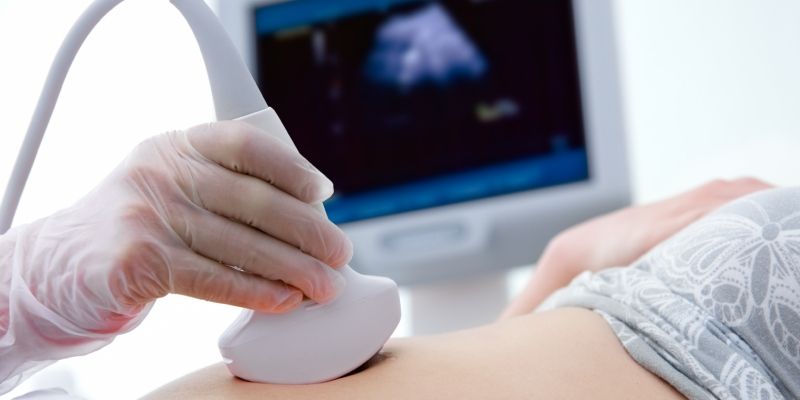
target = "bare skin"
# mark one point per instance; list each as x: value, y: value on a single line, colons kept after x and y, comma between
x: 567, y: 353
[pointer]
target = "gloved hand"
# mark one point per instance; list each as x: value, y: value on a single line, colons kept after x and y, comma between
x: 172, y: 218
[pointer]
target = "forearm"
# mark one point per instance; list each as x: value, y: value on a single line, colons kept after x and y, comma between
x: 33, y: 330
x: 6, y: 251
x: 16, y: 324
x: 555, y: 269
x: 619, y: 238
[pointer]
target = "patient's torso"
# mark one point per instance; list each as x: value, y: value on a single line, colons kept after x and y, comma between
x: 715, y: 309
x: 567, y: 353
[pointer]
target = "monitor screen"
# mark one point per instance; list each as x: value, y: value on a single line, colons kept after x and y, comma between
x: 409, y: 104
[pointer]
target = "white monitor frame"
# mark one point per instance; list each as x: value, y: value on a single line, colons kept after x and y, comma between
x: 503, y: 231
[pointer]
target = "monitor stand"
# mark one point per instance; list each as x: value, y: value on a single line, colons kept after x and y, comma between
x: 455, y: 304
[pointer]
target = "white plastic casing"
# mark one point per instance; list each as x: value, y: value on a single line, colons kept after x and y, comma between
x: 315, y: 342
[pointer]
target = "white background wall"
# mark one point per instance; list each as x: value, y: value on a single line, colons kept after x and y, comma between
x: 711, y: 89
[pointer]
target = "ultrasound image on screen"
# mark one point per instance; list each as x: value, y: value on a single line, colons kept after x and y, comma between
x: 413, y: 104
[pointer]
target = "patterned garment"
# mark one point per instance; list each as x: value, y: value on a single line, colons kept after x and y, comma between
x: 714, y: 310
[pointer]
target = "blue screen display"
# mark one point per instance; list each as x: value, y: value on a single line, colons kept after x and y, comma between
x: 409, y: 104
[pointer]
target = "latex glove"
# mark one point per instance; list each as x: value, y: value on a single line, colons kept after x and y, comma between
x: 171, y: 218
x: 619, y: 238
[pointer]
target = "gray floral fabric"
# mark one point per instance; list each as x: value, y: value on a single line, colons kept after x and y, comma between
x: 714, y: 310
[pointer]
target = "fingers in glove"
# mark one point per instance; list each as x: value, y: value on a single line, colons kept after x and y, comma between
x: 202, y: 278
x: 232, y: 243
x: 260, y: 205
x: 243, y: 148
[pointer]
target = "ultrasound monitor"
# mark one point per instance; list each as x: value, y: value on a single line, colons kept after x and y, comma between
x: 460, y: 134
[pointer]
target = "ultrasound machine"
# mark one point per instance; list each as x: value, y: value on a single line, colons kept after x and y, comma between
x: 460, y: 135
